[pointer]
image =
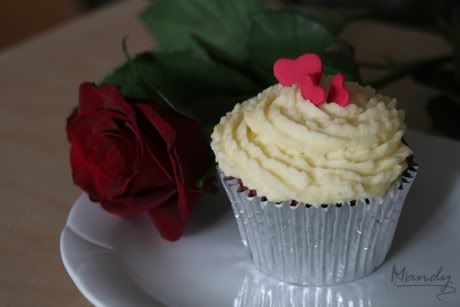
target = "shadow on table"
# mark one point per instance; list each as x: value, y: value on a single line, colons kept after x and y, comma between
x: 211, y: 209
x: 258, y: 289
x: 439, y: 168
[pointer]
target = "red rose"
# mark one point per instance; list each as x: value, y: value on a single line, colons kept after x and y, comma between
x: 137, y: 157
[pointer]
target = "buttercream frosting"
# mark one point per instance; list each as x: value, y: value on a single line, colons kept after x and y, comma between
x: 285, y: 147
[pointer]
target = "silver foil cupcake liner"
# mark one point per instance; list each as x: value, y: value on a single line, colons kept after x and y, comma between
x: 327, y: 245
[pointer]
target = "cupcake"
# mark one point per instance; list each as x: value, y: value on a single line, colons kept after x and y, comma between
x: 317, y: 172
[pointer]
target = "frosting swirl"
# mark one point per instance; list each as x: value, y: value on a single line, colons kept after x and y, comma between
x: 286, y: 148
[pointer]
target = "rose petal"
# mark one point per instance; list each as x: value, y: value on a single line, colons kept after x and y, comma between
x: 138, y: 157
x: 81, y: 171
x: 98, y: 149
x: 165, y: 129
x: 190, y: 158
x: 168, y: 220
x: 131, y: 205
x: 112, y: 165
x: 192, y: 148
x: 93, y: 98
x: 155, y: 159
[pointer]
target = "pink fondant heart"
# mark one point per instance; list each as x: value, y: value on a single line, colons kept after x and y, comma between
x: 312, y: 92
x: 291, y: 71
x: 338, y: 93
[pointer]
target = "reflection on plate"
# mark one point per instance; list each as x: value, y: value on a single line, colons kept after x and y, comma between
x: 123, y: 262
x: 262, y: 291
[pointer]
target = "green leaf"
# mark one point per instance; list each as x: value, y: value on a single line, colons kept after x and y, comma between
x: 180, y: 79
x: 287, y: 34
x: 223, y: 23
x: 207, y: 178
x: 179, y: 75
x: 132, y: 75
x: 334, y: 19
x: 222, y: 57
x: 193, y: 76
x: 124, y: 47
x: 341, y: 58
x: 212, y: 108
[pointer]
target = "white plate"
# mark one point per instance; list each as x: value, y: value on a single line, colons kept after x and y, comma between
x: 123, y: 262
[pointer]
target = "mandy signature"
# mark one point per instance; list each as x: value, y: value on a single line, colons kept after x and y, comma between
x: 401, y: 277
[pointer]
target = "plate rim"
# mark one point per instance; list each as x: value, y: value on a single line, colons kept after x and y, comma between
x: 67, y: 230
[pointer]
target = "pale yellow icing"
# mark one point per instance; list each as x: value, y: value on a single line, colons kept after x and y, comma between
x: 286, y: 148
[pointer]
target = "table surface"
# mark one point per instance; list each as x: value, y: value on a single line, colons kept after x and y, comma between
x: 38, y: 85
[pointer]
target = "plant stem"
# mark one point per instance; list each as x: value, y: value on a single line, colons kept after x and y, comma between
x: 406, y: 69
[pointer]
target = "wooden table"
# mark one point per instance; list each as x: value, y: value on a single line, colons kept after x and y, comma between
x: 38, y: 88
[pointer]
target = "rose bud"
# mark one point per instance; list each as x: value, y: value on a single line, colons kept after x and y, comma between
x: 137, y: 157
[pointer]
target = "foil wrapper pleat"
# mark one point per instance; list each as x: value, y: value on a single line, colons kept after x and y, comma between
x: 327, y: 245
